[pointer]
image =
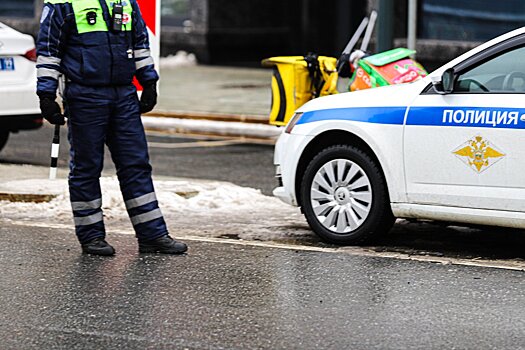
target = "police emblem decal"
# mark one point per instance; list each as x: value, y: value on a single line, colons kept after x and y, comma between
x: 478, y: 154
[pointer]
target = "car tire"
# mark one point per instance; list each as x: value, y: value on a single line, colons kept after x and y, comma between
x: 4, y: 136
x: 345, y: 197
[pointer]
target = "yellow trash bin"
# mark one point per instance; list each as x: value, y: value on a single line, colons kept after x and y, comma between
x: 294, y: 84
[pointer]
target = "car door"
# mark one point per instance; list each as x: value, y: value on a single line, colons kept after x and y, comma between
x: 467, y: 148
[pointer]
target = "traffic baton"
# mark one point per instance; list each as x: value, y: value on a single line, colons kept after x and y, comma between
x: 55, y: 148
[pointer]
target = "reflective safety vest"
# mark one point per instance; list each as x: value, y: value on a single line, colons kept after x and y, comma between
x: 82, y: 8
x: 76, y: 39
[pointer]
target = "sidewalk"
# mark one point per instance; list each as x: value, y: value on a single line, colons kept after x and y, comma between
x: 215, y: 90
x: 215, y: 101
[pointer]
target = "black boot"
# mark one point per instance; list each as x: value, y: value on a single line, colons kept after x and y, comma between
x: 98, y: 246
x: 163, y: 245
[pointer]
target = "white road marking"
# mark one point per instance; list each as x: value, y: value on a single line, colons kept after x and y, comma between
x: 356, y: 251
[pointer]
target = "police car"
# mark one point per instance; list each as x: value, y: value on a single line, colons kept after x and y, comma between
x: 449, y: 147
x: 19, y: 108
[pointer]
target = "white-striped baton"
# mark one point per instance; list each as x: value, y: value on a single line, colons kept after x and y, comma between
x: 55, y: 148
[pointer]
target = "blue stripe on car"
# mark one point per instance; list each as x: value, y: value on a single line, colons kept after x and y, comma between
x: 483, y: 117
x: 379, y: 115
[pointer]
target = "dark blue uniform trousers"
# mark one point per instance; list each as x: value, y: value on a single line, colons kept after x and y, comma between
x: 111, y: 116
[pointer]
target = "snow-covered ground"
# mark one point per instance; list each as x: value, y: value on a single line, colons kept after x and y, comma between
x: 196, y: 207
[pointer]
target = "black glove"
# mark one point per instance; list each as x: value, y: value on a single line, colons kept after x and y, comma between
x: 148, y: 100
x: 51, y: 110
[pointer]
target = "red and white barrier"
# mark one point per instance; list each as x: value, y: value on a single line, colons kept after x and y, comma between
x: 150, y: 10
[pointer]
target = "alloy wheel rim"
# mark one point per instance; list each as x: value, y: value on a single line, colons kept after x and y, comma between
x: 341, y: 196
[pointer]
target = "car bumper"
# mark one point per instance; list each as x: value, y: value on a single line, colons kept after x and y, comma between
x: 288, y: 151
x: 20, y: 99
x: 282, y: 194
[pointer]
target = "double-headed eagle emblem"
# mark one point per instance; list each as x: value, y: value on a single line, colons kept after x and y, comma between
x: 478, y: 153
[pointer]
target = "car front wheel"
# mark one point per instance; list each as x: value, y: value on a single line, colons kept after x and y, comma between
x: 344, y: 196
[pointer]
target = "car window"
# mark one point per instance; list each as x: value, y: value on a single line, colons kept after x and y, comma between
x: 504, y: 73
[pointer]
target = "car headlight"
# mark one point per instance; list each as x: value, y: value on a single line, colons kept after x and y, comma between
x: 292, y: 122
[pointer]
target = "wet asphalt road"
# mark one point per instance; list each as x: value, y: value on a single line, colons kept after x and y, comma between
x: 223, y: 296
x: 231, y: 296
x: 243, y: 164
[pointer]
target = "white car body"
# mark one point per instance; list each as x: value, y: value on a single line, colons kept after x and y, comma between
x: 426, y: 143
x: 19, y: 108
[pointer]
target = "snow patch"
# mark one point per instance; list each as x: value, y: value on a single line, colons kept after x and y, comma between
x: 190, y: 207
x: 180, y: 59
x: 173, y: 196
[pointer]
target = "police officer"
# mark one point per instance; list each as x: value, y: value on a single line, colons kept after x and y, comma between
x: 100, y: 46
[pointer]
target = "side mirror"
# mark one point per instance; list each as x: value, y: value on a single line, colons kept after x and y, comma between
x: 447, y: 80
x: 445, y: 84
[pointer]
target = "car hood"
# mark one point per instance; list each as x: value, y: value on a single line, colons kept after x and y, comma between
x: 387, y: 96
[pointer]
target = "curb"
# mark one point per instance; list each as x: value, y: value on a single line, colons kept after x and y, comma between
x: 39, y: 198
x: 241, y: 118
x: 27, y: 197
x: 245, y: 127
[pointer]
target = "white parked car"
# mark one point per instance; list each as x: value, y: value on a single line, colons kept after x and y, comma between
x: 449, y: 147
x: 19, y: 109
